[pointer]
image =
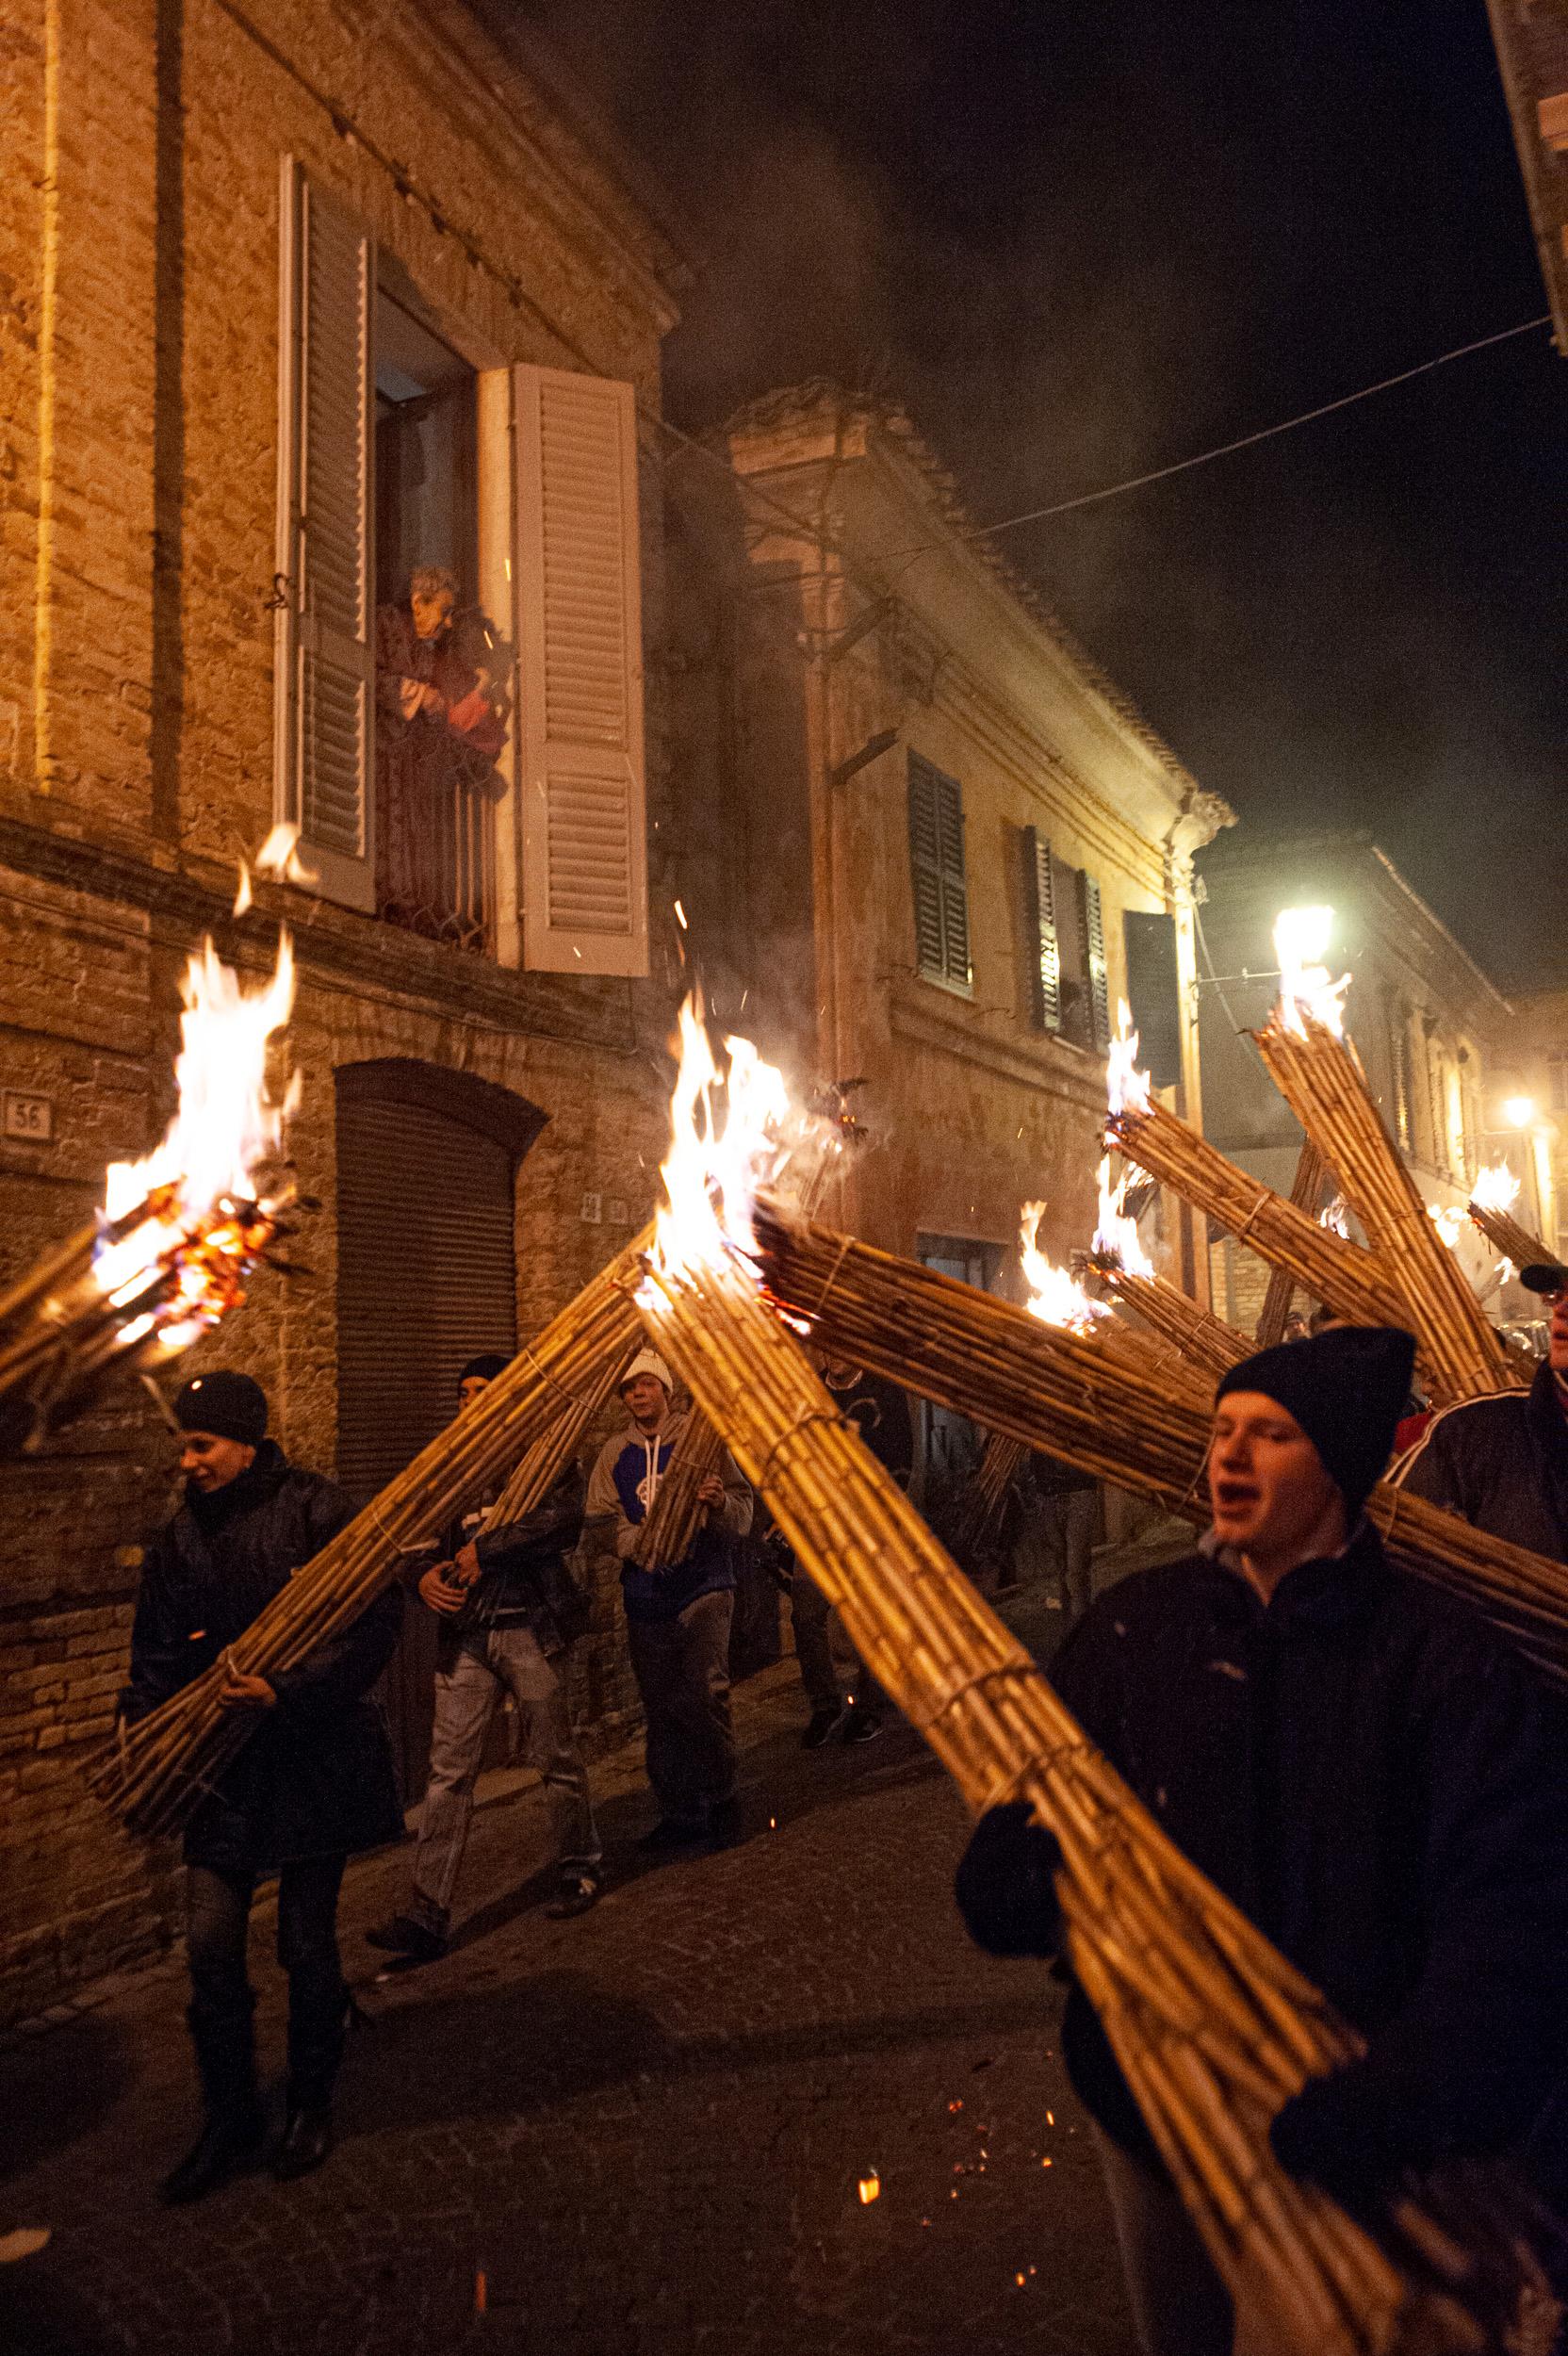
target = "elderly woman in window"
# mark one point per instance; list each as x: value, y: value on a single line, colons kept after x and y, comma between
x: 441, y: 722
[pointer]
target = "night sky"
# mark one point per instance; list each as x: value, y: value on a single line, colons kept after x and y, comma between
x: 1079, y: 244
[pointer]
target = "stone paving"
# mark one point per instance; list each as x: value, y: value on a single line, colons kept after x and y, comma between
x: 645, y: 2132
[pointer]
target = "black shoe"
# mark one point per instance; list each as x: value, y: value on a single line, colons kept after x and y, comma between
x: 863, y: 1726
x: 306, y: 2142
x: 212, y: 2158
x: 403, y: 1936
x: 667, y: 1834
x: 822, y: 1725
x: 578, y: 1890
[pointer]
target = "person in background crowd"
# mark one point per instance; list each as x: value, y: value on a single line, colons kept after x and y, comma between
x: 1501, y: 1463
x: 509, y: 1609
x: 678, y: 1620
x: 1068, y: 1501
x: 313, y: 1784
x: 880, y: 1412
x: 1363, y: 1766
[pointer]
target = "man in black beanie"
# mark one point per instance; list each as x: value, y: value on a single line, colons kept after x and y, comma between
x: 313, y: 1784
x: 1364, y: 1768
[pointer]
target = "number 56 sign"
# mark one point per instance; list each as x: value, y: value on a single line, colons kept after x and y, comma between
x: 29, y: 1117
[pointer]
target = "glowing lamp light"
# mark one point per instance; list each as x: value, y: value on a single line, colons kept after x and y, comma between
x: 1302, y: 938
x: 1519, y: 1111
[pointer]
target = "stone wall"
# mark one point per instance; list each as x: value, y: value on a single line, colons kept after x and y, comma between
x: 138, y: 482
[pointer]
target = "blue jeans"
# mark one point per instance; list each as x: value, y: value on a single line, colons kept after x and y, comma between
x: 491, y: 1661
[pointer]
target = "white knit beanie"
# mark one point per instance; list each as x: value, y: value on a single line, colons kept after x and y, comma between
x: 648, y: 1362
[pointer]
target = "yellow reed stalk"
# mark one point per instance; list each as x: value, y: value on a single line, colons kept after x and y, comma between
x: 1305, y: 1192
x: 1316, y: 1075
x: 1207, y: 1341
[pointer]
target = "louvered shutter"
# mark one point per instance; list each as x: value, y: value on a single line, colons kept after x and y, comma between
x: 1153, y: 993
x: 1046, y: 963
x: 1094, y: 961
x: 326, y: 658
x: 937, y: 875
x: 581, y: 641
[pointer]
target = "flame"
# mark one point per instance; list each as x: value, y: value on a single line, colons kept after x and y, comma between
x: 1127, y: 1089
x: 280, y: 856
x: 712, y: 1173
x: 1496, y: 1188
x: 1451, y: 1220
x: 1116, y: 1235
x: 1055, y: 1296
x: 870, y: 2188
x: 1301, y: 941
x: 197, y: 1187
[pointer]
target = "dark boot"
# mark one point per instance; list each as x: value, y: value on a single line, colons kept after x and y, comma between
x: 306, y: 2142
x: 320, y: 2010
x: 224, y: 2039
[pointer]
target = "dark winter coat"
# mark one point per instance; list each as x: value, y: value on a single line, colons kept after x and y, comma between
x: 1381, y: 1785
x: 880, y: 1412
x: 524, y: 1578
x: 315, y: 1778
x: 1501, y: 1463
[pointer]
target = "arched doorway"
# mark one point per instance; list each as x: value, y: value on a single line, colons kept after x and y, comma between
x: 427, y: 1276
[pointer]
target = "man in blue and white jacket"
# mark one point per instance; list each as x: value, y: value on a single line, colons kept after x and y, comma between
x: 678, y: 1620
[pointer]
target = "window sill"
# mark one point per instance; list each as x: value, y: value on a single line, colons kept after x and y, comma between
x: 962, y: 990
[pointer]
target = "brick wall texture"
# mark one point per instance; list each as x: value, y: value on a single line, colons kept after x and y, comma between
x: 139, y: 479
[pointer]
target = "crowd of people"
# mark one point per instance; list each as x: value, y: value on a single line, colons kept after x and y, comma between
x: 1363, y: 1765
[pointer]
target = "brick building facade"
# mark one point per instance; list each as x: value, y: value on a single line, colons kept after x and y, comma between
x: 951, y: 845
x: 293, y: 300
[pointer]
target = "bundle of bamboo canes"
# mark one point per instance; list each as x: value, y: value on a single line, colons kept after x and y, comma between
x: 672, y: 1521
x: 543, y: 1463
x: 1317, y: 1076
x: 62, y: 1332
x: 1306, y: 1187
x: 1062, y: 1392
x: 1505, y: 1235
x: 985, y: 1495
x: 1205, y: 1340
x: 1212, y: 2028
x: 156, y: 1771
x: 1355, y: 1283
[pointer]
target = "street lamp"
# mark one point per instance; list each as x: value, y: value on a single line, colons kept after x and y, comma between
x: 1519, y: 1111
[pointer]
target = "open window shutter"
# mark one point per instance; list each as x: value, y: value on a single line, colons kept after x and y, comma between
x: 580, y: 639
x: 955, y: 886
x: 326, y: 671
x: 1094, y: 962
x: 1046, y: 963
x: 1153, y: 993
x: 925, y: 869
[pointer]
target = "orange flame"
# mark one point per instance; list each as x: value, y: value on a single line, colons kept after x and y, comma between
x: 198, y: 1187
x: 1127, y: 1089
x: 1055, y: 1296
x: 713, y: 1172
x: 1116, y: 1235
x: 1496, y: 1188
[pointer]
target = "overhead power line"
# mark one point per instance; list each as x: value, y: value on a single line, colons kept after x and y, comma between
x: 1264, y: 434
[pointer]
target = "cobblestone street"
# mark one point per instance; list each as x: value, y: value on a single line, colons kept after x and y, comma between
x: 642, y: 2132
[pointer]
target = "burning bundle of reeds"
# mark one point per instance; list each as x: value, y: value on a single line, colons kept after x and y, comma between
x: 1313, y: 1069
x: 1349, y: 1280
x: 1505, y: 1235
x: 1214, y: 2029
x: 182, y: 1229
x: 155, y: 1773
x: 677, y: 1514
x: 1306, y: 1187
x: 1206, y: 1340
x: 1098, y: 1409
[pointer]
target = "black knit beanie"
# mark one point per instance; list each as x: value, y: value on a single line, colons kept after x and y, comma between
x: 229, y: 1404
x: 483, y: 1368
x: 1346, y: 1388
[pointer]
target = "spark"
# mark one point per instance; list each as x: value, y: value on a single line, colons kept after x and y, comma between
x: 870, y: 2188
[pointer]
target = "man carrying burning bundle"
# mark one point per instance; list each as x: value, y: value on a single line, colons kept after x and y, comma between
x: 677, y: 1617
x: 313, y: 1784
x: 508, y: 1608
x: 1364, y: 1768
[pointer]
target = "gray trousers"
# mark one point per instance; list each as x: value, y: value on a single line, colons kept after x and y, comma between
x: 682, y: 1672
x: 1180, y: 2306
x: 490, y: 1661
x: 1067, y: 1533
x: 813, y: 1618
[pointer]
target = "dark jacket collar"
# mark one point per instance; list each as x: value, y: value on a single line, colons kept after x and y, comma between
x: 260, y: 1481
x: 1329, y: 1590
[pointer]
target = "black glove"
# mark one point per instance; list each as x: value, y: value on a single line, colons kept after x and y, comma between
x: 1344, y: 2132
x: 1006, y: 1884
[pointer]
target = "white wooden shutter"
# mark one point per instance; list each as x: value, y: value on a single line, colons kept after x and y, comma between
x: 326, y: 657
x: 1094, y: 960
x: 579, y: 637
